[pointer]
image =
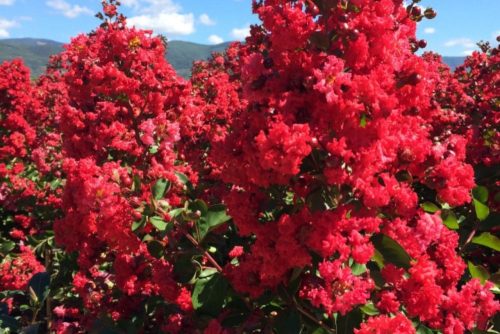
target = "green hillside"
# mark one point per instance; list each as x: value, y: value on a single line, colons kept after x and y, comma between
x: 454, y: 62
x: 182, y: 54
x: 36, y: 52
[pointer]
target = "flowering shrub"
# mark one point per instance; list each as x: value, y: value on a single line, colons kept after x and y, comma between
x: 342, y: 168
x: 30, y: 189
x: 321, y: 178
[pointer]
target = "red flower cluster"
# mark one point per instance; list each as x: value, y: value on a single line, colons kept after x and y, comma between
x: 346, y: 163
x: 29, y: 152
x: 119, y: 128
x: 331, y: 145
x: 18, y: 271
x: 480, y: 78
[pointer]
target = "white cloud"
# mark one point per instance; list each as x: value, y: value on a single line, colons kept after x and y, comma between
x: 214, y: 39
x: 130, y: 3
x: 6, y: 2
x: 430, y: 30
x: 463, y: 42
x: 165, y: 23
x: 240, y: 33
x: 67, y: 9
x: 5, y: 25
x: 161, y: 16
x: 206, y: 20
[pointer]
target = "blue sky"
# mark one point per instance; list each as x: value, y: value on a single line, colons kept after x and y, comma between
x: 459, y: 24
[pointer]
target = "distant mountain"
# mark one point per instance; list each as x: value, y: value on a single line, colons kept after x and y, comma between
x: 36, y: 52
x: 182, y: 54
x: 454, y: 62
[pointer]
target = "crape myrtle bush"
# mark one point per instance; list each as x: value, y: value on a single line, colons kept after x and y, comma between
x: 321, y: 178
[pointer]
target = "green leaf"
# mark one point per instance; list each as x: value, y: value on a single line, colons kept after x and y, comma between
x: 490, y: 223
x: 479, y: 272
x: 154, y: 149
x: 55, y: 184
x: 480, y: 193
x: 482, y: 210
x: 182, y: 178
x: 288, y: 321
x: 214, y: 217
x: 488, y: 240
x: 378, y: 258
x: 376, y: 275
x: 136, y: 186
x: 295, y: 281
x: 450, y: 220
x: 369, y: 309
x: 10, y: 293
x: 160, y: 188
x: 185, y: 269
x: 185, y: 181
x: 176, y: 212
x: 39, y: 284
x: 209, y: 292
x: 429, y: 207
x: 424, y: 330
x: 391, y: 251
x: 6, y: 246
x: 156, y: 248
x: 199, y: 205
x: 159, y: 223
x: 362, y: 121
x: 352, y: 320
x: 358, y: 269
x: 319, y: 330
x: 139, y: 224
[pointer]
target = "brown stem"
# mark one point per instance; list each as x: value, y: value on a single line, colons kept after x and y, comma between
x: 471, y: 235
x: 207, y: 255
x: 35, y: 315
x: 308, y: 315
x: 312, y: 318
x: 48, y: 300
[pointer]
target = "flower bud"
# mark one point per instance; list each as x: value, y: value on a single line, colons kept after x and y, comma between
x: 354, y: 34
x: 137, y: 215
x: 414, y: 79
x: 343, y: 17
x: 430, y: 13
x: 126, y: 180
x: 416, y: 11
